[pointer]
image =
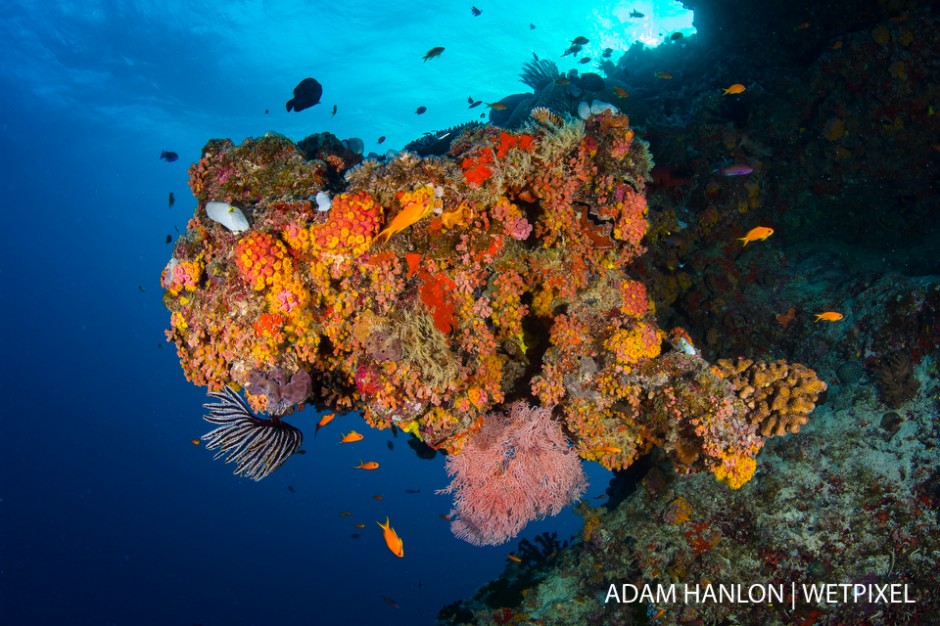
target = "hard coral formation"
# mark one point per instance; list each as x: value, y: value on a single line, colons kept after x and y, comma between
x: 779, y: 395
x: 504, y: 271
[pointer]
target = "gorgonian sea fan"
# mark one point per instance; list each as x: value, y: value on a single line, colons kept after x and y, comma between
x: 517, y: 468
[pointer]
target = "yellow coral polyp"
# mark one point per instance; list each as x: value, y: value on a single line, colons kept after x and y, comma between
x: 636, y: 303
x: 477, y: 397
x: 629, y: 345
x: 287, y: 296
x: 186, y: 275
x: 178, y: 321
x: 353, y: 223
x: 262, y: 260
x: 735, y: 471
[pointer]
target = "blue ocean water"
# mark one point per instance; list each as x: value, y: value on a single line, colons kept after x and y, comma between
x: 108, y: 513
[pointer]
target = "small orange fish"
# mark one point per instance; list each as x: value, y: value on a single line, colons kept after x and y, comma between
x: 392, y: 540
x: 562, y: 81
x: 351, y: 437
x: 664, y: 75
x: 758, y: 233
x: 512, y: 557
x: 195, y: 442
x: 413, y: 212
x: 735, y: 89
x: 829, y: 316
x: 610, y: 449
x: 370, y: 465
x: 498, y: 106
x: 446, y: 518
x: 326, y: 419
x: 658, y: 615
x: 360, y: 525
x: 345, y: 514
x: 802, y: 26
x: 620, y: 92
x: 378, y: 497
x: 837, y: 44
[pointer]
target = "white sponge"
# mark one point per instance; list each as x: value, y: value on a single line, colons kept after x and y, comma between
x: 227, y: 215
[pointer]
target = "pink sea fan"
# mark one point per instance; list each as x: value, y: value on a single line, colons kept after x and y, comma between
x: 517, y: 468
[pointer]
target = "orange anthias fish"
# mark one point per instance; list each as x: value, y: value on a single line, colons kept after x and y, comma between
x: 758, y: 233
x: 621, y: 92
x: 412, y: 213
x: 368, y: 465
x: 351, y: 437
x: 392, y: 540
x: 195, y: 442
x: 735, y: 89
x: 512, y: 557
x: 664, y: 75
x: 829, y: 316
x: 326, y: 419
x: 499, y: 106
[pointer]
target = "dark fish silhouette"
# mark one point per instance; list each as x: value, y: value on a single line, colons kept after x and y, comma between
x: 306, y: 94
x: 168, y: 156
x: 636, y: 14
x: 473, y: 103
x: 433, y: 52
x: 334, y: 111
x: 141, y: 288
x: 421, y: 110
x: 390, y: 445
x: 291, y: 489
x: 172, y: 199
x: 676, y: 36
x: 531, y: 26
x: 607, y: 53
x: 476, y: 12
x: 266, y: 111
x: 355, y: 535
x: 585, y: 60
x: 412, y: 491
x: 390, y: 602
x: 169, y: 238
x: 381, y: 139
x: 580, y: 41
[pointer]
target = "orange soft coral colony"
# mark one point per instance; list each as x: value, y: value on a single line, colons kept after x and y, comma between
x: 735, y: 471
x: 262, y: 260
x: 635, y: 301
x: 353, y: 223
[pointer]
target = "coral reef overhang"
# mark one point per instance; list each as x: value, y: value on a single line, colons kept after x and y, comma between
x: 435, y: 290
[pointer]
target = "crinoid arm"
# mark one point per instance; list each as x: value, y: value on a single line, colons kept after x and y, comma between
x: 256, y: 445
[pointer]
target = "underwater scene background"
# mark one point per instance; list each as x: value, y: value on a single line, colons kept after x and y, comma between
x: 509, y: 313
